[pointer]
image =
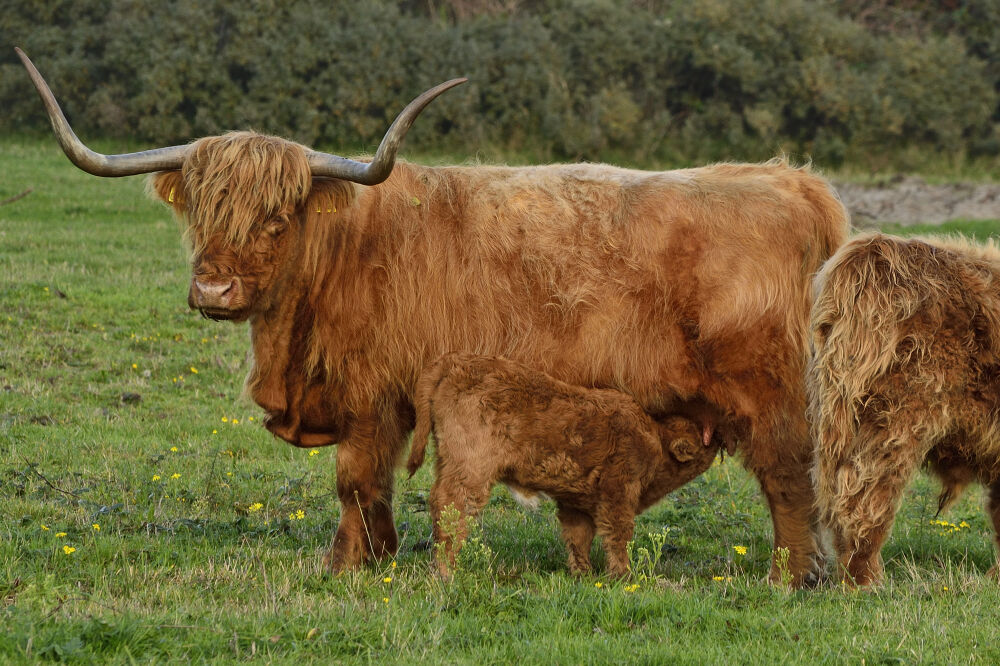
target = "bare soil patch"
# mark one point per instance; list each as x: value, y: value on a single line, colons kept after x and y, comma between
x: 909, y: 200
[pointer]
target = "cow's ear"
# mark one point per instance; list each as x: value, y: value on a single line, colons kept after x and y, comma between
x: 168, y: 187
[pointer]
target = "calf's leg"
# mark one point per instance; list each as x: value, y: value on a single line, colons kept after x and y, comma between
x: 468, y: 493
x: 578, y: 534
x: 615, y: 521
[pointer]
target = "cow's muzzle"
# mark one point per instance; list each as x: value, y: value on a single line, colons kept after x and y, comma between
x: 218, y: 297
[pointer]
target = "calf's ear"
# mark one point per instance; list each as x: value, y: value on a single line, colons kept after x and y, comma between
x: 683, y: 449
x: 168, y: 187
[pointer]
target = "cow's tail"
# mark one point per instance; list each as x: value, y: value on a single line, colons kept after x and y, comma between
x: 427, y: 383
x: 862, y: 296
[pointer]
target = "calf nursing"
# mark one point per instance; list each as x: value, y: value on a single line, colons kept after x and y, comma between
x: 905, y: 370
x: 685, y: 289
x: 595, y: 452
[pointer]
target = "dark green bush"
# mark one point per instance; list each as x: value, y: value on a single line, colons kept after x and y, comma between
x: 551, y: 79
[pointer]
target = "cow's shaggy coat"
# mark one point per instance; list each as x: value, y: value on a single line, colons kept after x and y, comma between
x: 689, y: 290
x: 594, y: 451
x: 906, y: 369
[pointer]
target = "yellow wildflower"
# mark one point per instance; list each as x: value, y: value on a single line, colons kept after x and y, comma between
x: 314, y: 452
x: 60, y: 534
x: 134, y: 366
x: 194, y: 370
x: 215, y: 432
x: 255, y: 507
x: 236, y: 421
x: 387, y: 579
x: 394, y: 564
x: 69, y: 550
x: 175, y: 475
x: 97, y: 527
x: 225, y: 420
x: 385, y: 600
x: 740, y: 550
x: 598, y: 584
x: 174, y: 449
x: 156, y: 477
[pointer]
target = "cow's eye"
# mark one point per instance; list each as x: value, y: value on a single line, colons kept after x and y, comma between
x: 275, y: 227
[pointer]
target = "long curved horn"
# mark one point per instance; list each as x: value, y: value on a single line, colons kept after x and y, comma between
x: 374, y: 172
x: 129, y: 164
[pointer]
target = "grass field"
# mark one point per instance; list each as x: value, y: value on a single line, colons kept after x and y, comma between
x: 146, y: 517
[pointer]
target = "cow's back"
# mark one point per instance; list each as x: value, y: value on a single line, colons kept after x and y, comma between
x: 690, y: 283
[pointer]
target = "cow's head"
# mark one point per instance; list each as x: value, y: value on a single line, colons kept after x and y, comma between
x: 244, y: 196
x: 243, y: 199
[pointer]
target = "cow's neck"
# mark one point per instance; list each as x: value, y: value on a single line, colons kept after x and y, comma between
x: 278, y: 338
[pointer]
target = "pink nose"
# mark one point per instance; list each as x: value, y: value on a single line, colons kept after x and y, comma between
x: 213, y: 293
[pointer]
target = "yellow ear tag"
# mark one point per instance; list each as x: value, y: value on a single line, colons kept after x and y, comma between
x: 318, y: 210
x: 170, y: 197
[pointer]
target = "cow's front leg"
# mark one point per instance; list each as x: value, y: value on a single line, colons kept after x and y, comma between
x: 365, y: 466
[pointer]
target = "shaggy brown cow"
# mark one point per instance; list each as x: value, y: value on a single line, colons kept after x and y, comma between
x: 594, y: 451
x: 689, y: 290
x: 906, y: 370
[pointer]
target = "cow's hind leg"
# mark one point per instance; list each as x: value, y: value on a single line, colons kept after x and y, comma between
x: 578, y: 534
x: 797, y: 557
x: 365, y: 468
x: 781, y: 463
x: 868, y: 481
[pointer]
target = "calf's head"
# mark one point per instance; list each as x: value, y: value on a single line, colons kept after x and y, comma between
x: 244, y: 197
x: 684, y: 445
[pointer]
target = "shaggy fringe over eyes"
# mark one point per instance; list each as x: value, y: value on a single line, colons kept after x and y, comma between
x: 240, y: 180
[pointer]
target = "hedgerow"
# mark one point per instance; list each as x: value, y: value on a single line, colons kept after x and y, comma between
x: 556, y: 79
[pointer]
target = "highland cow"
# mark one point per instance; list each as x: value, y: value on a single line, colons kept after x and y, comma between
x: 689, y: 290
x: 906, y: 370
x: 594, y: 451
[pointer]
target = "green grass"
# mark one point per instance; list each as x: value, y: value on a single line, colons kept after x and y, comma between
x: 215, y: 564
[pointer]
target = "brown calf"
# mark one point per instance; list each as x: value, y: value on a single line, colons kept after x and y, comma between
x: 595, y: 452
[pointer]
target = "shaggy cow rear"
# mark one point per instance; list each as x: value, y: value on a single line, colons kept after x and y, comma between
x: 906, y: 370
